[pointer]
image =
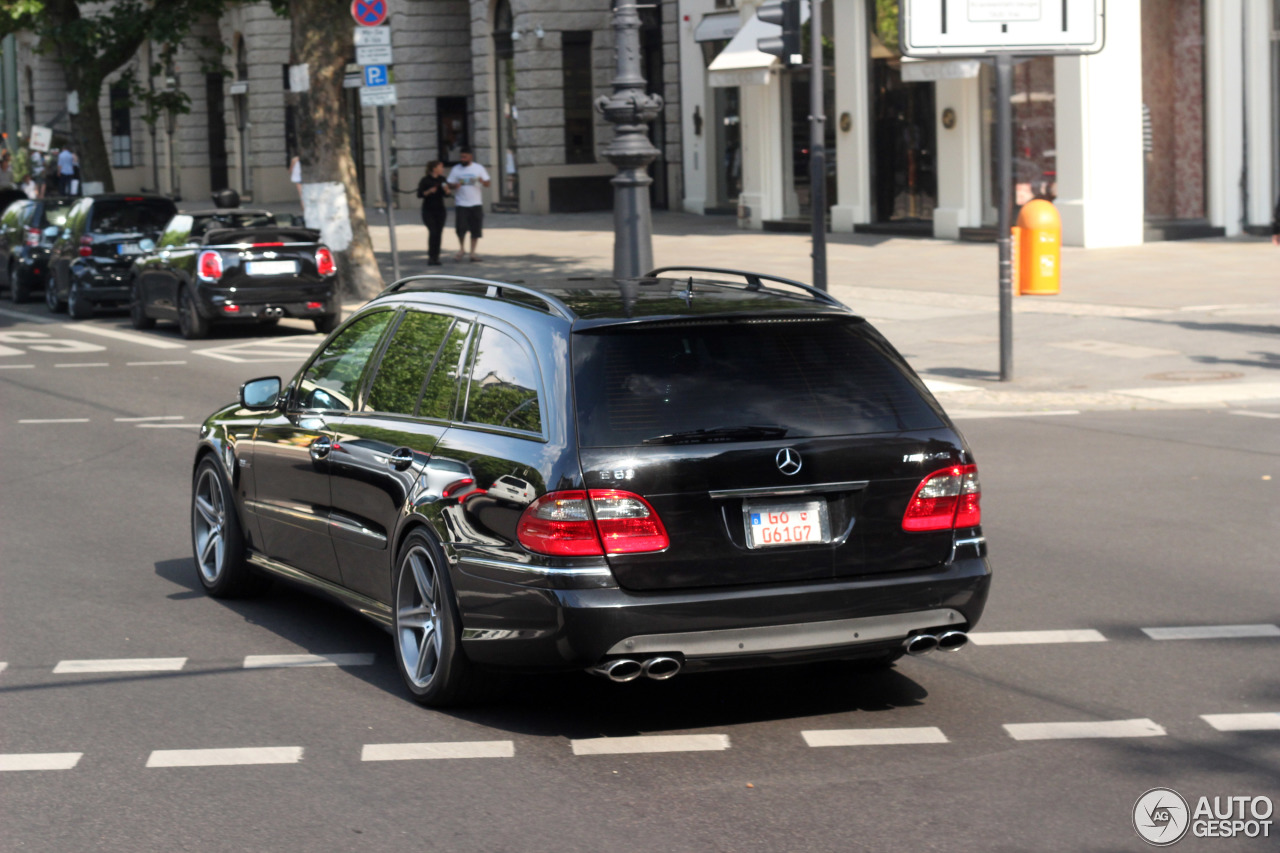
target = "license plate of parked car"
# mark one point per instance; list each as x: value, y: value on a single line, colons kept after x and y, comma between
x: 785, y: 523
x: 271, y: 267
x: 129, y: 249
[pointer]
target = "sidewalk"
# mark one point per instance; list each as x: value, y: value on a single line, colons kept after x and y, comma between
x: 1166, y: 325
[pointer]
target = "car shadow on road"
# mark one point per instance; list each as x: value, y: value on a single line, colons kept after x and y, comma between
x: 574, y: 704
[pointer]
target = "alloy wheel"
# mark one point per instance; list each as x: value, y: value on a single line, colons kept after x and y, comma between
x: 209, y: 519
x: 419, y: 620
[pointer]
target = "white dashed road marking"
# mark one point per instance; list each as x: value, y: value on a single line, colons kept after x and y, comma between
x: 1105, y: 728
x: 168, y: 426
x: 149, y: 418
x: 873, y: 737
x: 120, y: 665
x: 272, y: 661
x: 1212, y: 632
x: 1023, y: 638
x: 54, y: 421
x: 649, y: 743
x: 40, y: 761
x: 941, y: 386
x: 225, y: 757
x: 151, y: 363
x: 1250, y: 414
x: 84, y: 364
x: 17, y: 367
x: 1244, y: 722
x: 424, y: 751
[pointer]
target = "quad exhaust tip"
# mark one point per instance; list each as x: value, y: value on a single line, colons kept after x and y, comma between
x: 621, y: 670
x: 922, y: 644
x: 953, y: 641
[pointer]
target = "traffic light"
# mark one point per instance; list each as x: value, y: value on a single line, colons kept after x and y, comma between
x: 785, y: 13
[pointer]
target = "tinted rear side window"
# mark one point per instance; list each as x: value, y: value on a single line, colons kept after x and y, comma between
x: 110, y: 217
x: 55, y: 214
x: 504, y: 384
x: 404, y: 368
x: 829, y: 377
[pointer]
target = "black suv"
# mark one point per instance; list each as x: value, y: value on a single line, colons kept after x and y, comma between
x: 90, y: 261
x: 635, y: 478
x: 27, y: 231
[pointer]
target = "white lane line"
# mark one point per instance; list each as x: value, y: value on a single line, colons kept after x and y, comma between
x: 84, y: 364
x: 17, y: 367
x: 224, y: 757
x: 149, y: 418
x: 1212, y: 632
x: 649, y: 743
x: 273, y: 661
x: 1212, y: 393
x: 3, y: 665
x: 424, y: 751
x: 1103, y: 728
x: 941, y: 386
x: 54, y: 421
x: 1245, y: 412
x: 873, y: 737
x: 144, y: 340
x: 1026, y: 638
x: 168, y: 426
x: 970, y: 414
x: 1244, y: 722
x: 40, y: 760
x: 150, y: 363
x: 120, y: 665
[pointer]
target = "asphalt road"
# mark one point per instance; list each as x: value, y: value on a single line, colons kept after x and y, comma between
x: 1100, y: 524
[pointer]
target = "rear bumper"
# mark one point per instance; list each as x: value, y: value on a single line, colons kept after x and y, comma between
x: 508, y: 625
x: 268, y: 302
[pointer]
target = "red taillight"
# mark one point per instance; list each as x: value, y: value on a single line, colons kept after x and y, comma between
x: 945, y: 500
x: 456, y: 486
x: 257, y: 245
x: 314, y: 306
x: 324, y: 261
x: 231, y: 309
x: 86, y: 246
x: 32, y: 236
x: 614, y: 522
x: 209, y: 266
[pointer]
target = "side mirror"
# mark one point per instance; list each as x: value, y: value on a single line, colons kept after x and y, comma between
x: 146, y: 244
x: 52, y: 231
x: 260, y: 393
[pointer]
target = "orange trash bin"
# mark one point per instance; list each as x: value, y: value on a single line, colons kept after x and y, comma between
x: 1039, y: 249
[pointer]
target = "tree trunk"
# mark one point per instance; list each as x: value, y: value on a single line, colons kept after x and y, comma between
x: 322, y: 41
x: 89, y: 144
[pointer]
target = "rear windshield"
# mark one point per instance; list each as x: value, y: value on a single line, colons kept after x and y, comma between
x: 56, y: 214
x: 740, y: 380
x: 115, y: 217
x: 219, y: 236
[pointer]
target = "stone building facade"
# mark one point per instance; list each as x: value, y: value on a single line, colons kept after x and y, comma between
x: 514, y: 79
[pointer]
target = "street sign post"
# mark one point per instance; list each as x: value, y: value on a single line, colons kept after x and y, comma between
x: 369, y: 13
x: 376, y: 75
x: 1001, y: 30
x: 373, y: 54
x: 372, y: 35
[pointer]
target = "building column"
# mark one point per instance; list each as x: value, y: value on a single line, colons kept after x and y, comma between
x: 1224, y: 112
x: 1098, y: 118
x: 762, y: 160
x: 853, y: 147
x: 1259, y: 121
x: 959, y: 157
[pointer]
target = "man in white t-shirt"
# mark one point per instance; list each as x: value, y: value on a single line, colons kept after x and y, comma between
x: 466, y: 179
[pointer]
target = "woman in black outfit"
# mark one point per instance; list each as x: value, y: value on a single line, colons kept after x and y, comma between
x: 432, y: 189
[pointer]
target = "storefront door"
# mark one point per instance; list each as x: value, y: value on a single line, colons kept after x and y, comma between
x: 903, y: 138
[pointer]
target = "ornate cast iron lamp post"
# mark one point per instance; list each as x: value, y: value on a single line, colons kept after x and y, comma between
x: 630, y: 109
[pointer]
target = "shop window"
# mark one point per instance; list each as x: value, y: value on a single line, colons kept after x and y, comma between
x: 579, y: 115
x: 121, y: 127
x: 508, y: 113
x: 451, y: 128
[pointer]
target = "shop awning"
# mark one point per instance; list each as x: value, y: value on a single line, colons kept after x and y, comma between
x: 717, y: 27
x: 740, y: 64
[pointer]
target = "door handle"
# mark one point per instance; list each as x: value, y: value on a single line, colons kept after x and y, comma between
x: 320, y: 448
x: 400, y: 459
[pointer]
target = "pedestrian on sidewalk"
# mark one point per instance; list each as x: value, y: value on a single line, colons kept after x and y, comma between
x: 466, y: 179
x: 295, y: 175
x: 52, y: 180
x: 432, y: 189
x: 37, y: 172
x: 66, y: 172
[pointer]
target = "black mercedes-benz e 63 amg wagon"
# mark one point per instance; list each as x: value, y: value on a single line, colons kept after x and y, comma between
x: 695, y: 469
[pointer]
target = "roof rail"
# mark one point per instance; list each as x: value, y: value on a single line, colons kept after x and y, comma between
x: 495, y: 288
x: 755, y: 281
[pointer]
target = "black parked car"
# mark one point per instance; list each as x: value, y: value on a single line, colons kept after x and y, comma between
x: 90, y: 261
x: 234, y: 266
x: 634, y: 478
x: 27, y: 231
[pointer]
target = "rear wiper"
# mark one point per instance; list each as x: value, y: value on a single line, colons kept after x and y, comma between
x: 750, y: 432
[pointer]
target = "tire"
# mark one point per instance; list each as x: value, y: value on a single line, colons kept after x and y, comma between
x: 137, y: 311
x: 217, y: 543
x: 19, y: 286
x: 51, y: 300
x: 78, y: 307
x: 327, y: 323
x: 7, y: 284
x: 427, y: 630
x: 190, y: 323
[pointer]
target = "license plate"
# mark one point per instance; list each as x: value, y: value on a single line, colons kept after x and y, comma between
x: 271, y: 267
x: 128, y: 249
x: 795, y: 522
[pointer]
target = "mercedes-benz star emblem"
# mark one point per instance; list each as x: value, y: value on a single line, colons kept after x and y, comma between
x: 788, y: 461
